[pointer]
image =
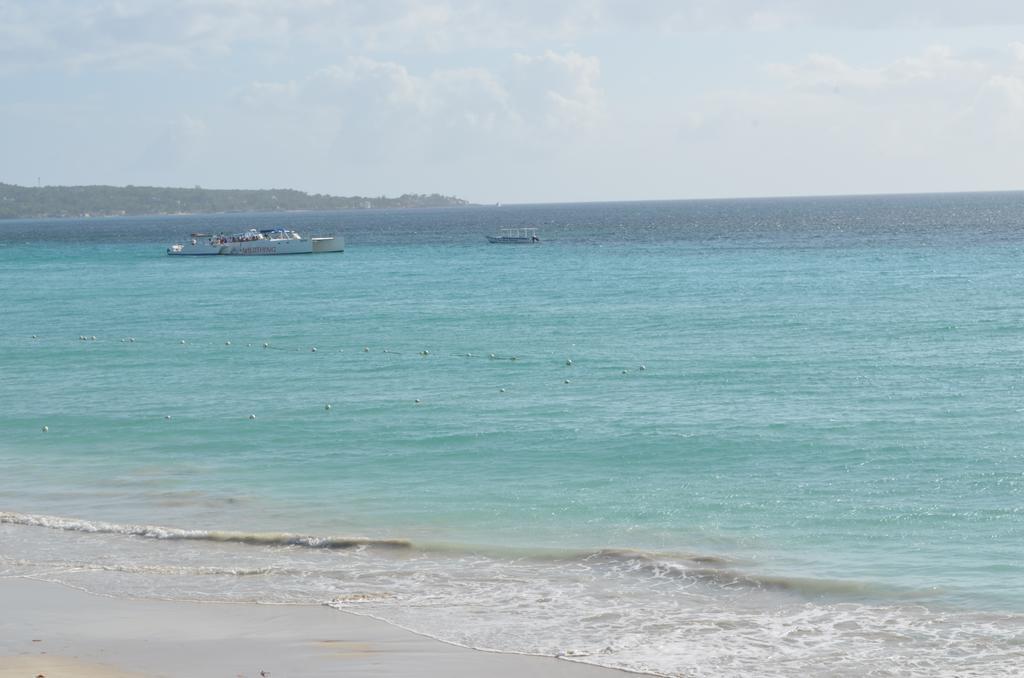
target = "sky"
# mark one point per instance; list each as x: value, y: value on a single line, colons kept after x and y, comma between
x: 516, y: 102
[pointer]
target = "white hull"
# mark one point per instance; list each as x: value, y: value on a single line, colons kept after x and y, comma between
x: 263, y: 247
x: 494, y: 240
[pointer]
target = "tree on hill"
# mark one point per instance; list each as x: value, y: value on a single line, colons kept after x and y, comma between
x: 77, y: 201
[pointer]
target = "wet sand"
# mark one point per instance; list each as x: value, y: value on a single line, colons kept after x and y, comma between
x: 57, y: 632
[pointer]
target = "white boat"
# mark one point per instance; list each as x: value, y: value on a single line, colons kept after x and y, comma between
x: 256, y: 243
x: 515, y: 236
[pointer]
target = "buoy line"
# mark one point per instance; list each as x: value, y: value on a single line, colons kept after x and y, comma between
x: 422, y: 353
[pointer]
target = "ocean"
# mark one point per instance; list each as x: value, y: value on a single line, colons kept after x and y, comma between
x: 774, y: 437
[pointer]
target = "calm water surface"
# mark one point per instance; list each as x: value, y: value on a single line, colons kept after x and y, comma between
x: 779, y: 437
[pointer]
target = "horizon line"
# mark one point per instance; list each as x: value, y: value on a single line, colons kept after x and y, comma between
x: 472, y: 203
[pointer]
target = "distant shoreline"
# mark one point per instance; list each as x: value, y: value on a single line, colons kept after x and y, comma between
x: 55, y: 202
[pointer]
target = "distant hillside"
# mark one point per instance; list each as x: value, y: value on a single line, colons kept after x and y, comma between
x: 81, y: 201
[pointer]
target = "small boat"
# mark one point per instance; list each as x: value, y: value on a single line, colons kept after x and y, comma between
x: 256, y: 243
x: 515, y: 236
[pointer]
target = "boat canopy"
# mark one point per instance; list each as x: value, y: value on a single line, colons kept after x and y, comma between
x: 519, y: 233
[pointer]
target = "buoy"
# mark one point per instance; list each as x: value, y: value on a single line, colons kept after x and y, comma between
x: 327, y: 407
x: 313, y: 350
x: 252, y: 416
x: 45, y: 429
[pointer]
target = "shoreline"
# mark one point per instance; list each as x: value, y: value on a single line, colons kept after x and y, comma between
x: 54, y: 630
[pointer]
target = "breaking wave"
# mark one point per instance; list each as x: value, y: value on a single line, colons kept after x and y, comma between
x: 709, y: 569
x: 668, y: 614
x: 172, y: 533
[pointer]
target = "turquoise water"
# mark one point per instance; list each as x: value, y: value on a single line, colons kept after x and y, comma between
x: 779, y: 436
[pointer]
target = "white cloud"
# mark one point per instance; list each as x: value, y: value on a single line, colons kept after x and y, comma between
x: 1011, y: 87
x: 366, y: 124
x: 569, y: 83
x: 119, y: 34
x: 557, y: 92
x: 1017, y: 48
x: 935, y: 120
x: 823, y: 71
x: 683, y: 16
x: 564, y: 101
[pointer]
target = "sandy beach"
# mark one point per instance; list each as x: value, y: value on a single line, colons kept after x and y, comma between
x: 53, y: 631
